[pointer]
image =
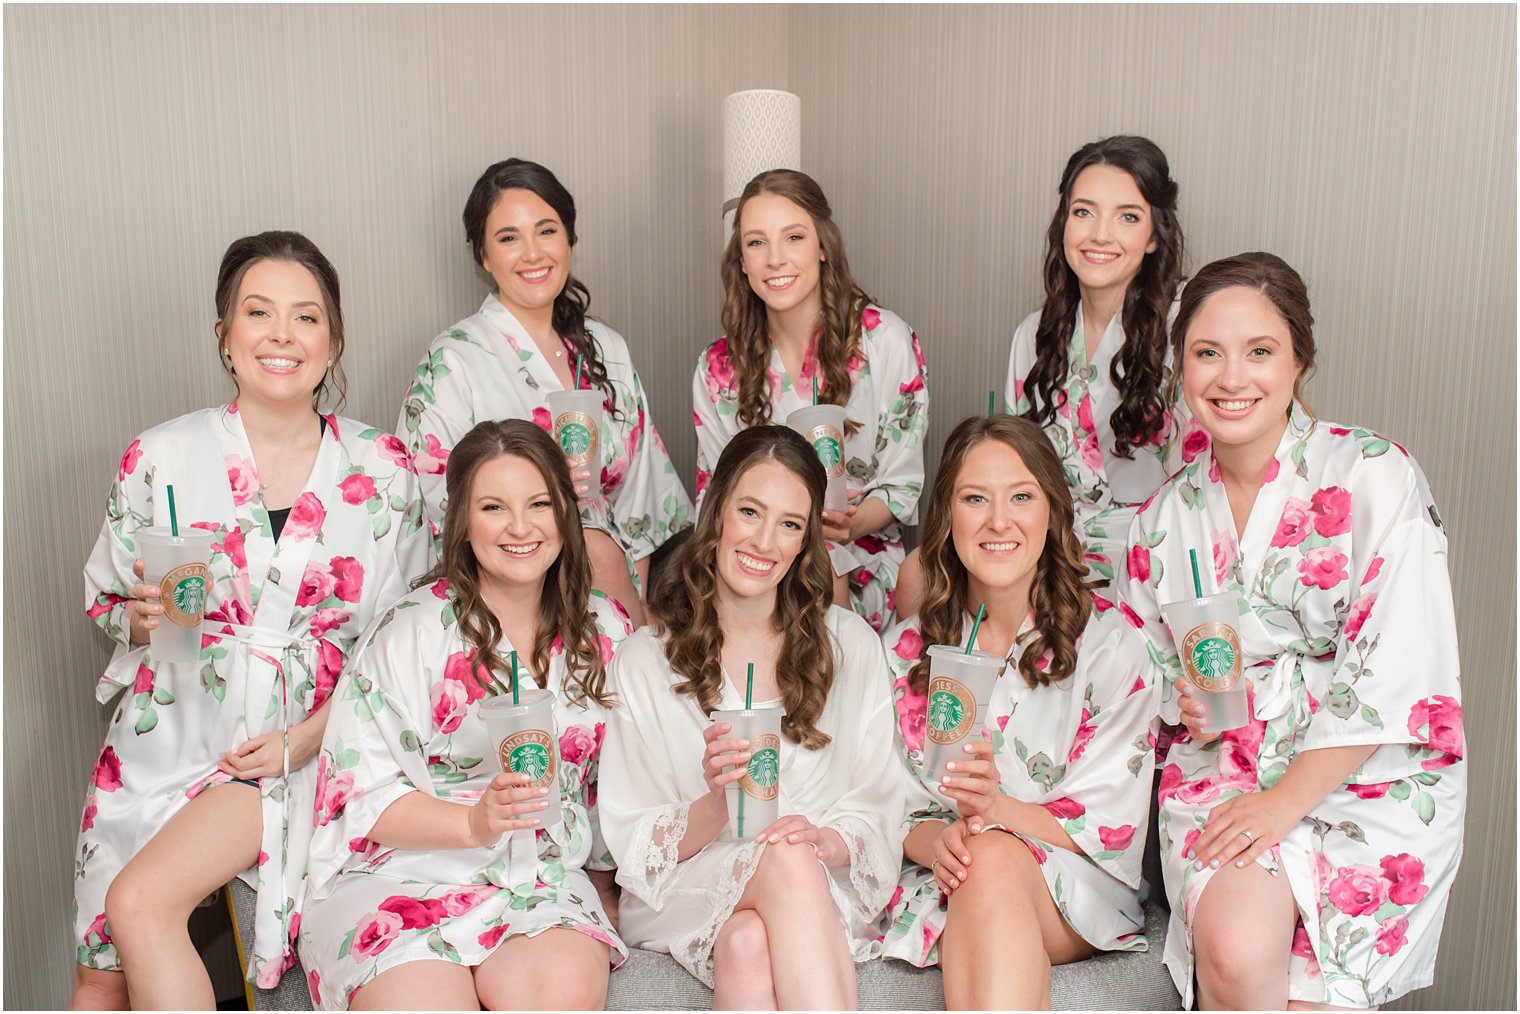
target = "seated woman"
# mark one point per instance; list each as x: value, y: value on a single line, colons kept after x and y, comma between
x: 531, y: 337
x: 1333, y: 818
x: 432, y: 883
x: 793, y: 318
x: 204, y: 775
x: 780, y: 919
x: 1065, y: 766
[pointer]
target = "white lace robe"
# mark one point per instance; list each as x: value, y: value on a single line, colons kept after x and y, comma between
x: 652, y: 773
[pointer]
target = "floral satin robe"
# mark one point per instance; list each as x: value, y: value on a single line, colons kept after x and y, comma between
x: 487, y: 367
x: 1347, y: 637
x: 405, y: 719
x: 1106, y: 489
x: 280, y: 619
x: 1081, y: 748
x: 883, y: 459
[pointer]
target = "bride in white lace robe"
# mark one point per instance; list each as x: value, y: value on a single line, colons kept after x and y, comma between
x: 689, y: 888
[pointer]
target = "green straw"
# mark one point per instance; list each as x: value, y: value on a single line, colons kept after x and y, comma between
x: 815, y: 389
x: 514, y: 678
x: 173, y: 518
x: 1197, y: 587
x: 749, y: 696
x: 578, y: 372
x: 990, y: 401
x: 971, y: 641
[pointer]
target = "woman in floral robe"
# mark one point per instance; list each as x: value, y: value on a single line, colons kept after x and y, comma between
x: 1092, y: 365
x: 1070, y: 730
x: 776, y: 921
x: 526, y: 340
x: 1334, y: 818
x: 311, y: 534
x: 818, y: 328
x: 416, y: 897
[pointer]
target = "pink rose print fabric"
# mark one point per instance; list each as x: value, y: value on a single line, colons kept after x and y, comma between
x: 396, y: 728
x: 1347, y: 638
x: 1081, y: 748
x: 884, y: 459
x: 1105, y: 488
x: 280, y: 619
x: 487, y: 367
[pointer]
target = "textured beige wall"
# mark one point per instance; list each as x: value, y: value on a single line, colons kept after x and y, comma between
x: 1372, y: 147
x: 140, y: 142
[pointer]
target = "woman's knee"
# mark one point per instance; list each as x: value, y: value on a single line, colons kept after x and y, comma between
x: 794, y: 869
x: 134, y: 904
x: 743, y: 942
x: 1229, y: 960
x: 999, y: 854
x: 95, y: 989
x: 568, y: 972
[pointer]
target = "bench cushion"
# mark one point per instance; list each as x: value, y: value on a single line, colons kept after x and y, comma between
x: 651, y: 981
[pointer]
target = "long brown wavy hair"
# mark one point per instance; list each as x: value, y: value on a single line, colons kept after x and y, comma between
x: 744, y: 320
x: 562, y: 608
x: 1060, y: 597
x: 569, y: 313
x: 1138, y: 370
x: 683, y: 606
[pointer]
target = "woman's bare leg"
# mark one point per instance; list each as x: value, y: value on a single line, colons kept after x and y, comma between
x: 742, y: 965
x: 148, y: 905
x: 1242, y: 935
x: 811, y: 964
x: 1003, y: 931
x: 419, y: 985
x: 95, y: 989
x: 559, y: 969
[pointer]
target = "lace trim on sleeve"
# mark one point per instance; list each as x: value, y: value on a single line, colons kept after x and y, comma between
x: 873, y: 873
x: 648, y: 869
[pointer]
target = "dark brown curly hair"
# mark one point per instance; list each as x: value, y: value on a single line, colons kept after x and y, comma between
x: 744, y: 320
x: 683, y: 606
x: 1060, y: 598
x: 562, y: 608
x: 569, y: 313
x: 1138, y: 370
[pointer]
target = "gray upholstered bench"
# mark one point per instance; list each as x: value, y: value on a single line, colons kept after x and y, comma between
x: 650, y: 981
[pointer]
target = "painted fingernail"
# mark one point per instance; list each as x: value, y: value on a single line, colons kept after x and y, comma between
x: 1198, y: 709
x: 1214, y: 864
x: 543, y: 792
x: 1240, y: 863
x: 1198, y: 864
x: 950, y: 766
x: 965, y: 859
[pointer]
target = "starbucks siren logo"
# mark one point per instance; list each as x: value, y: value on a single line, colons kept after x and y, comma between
x: 577, y: 437
x: 762, y: 779
x: 183, y: 594
x: 530, y: 752
x: 829, y: 446
x: 952, y: 709
x: 1211, y: 654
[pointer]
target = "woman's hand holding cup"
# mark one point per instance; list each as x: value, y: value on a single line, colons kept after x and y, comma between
x: 1195, y: 715
x: 144, y: 609
x: 722, y: 753
x: 508, y: 804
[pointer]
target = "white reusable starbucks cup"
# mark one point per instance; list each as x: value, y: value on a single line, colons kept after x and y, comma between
x: 1208, y: 645
x: 754, y: 799
x: 178, y: 565
x: 523, y: 740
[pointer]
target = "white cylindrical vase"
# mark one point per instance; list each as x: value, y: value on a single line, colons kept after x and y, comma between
x: 762, y: 129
